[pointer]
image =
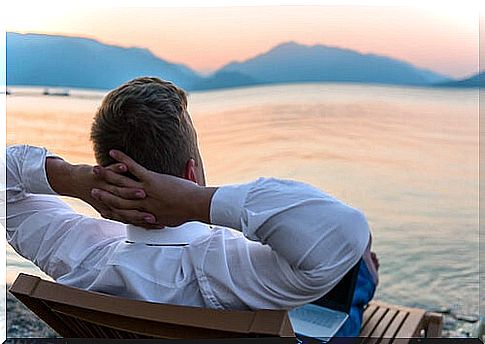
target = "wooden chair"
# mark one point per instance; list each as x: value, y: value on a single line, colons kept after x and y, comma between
x: 384, y: 323
x: 76, y: 313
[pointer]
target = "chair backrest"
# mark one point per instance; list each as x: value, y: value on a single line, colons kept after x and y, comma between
x: 76, y: 313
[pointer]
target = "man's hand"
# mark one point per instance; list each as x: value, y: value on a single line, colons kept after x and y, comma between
x: 78, y: 181
x: 172, y: 200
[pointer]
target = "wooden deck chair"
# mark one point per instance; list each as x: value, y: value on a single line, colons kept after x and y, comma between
x: 76, y: 313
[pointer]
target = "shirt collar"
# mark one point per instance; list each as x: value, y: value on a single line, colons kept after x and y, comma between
x: 181, y: 235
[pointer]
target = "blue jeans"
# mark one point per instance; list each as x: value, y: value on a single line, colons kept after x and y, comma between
x: 364, y: 291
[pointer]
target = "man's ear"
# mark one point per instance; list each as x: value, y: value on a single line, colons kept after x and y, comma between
x: 190, y: 173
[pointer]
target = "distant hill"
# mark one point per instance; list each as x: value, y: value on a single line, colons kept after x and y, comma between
x: 59, y: 61
x: 477, y: 80
x: 47, y: 60
x: 293, y: 62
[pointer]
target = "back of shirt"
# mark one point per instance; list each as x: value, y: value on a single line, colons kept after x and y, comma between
x: 290, y: 245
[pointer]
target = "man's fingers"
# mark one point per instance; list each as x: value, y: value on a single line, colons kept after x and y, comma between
x: 137, y: 218
x: 126, y: 193
x: 134, y: 217
x: 115, y: 178
x: 115, y: 202
x: 135, y: 168
x: 118, y: 167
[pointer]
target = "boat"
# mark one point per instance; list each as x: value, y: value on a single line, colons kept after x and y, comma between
x: 56, y: 92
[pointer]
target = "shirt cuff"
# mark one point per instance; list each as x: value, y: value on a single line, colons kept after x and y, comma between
x: 227, y: 205
x: 35, y: 173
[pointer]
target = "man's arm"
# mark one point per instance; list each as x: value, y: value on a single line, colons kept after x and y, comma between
x: 310, y: 239
x: 40, y: 226
x: 77, y: 181
x: 294, y: 218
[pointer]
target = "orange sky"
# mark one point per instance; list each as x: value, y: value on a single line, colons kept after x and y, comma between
x: 442, y: 39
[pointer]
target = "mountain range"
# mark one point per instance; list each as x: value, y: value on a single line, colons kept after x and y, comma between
x: 60, y: 61
x: 293, y: 62
x: 47, y: 60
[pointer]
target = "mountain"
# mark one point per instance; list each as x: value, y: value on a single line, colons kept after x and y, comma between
x: 293, y: 62
x: 48, y: 60
x: 477, y: 80
x: 222, y: 79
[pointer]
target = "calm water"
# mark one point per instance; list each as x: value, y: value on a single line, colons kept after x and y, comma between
x: 408, y: 157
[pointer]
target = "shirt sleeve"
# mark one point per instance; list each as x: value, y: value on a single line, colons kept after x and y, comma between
x: 43, y: 228
x: 302, y: 241
x: 26, y: 172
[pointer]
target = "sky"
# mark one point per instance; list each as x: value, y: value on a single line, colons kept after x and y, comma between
x: 441, y: 38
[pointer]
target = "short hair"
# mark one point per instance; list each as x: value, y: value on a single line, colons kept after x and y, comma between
x: 147, y: 119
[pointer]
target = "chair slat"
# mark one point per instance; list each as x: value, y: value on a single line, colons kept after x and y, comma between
x: 413, y: 324
x: 393, y: 328
x: 72, y: 325
x: 382, y: 326
x: 369, y: 313
x: 373, y: 322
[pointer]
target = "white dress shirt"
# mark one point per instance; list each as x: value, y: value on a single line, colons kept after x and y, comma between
x: 290, y: 243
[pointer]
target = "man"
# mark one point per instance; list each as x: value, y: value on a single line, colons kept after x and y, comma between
x: 270, y: 243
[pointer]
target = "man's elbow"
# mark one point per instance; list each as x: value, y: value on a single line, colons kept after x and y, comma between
x: 356, y: 230
x: 332, y: 258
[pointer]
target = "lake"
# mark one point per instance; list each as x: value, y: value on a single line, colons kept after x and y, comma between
x: 407, y: 157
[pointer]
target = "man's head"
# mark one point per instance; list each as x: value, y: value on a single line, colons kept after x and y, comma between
x: 147, y: 119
